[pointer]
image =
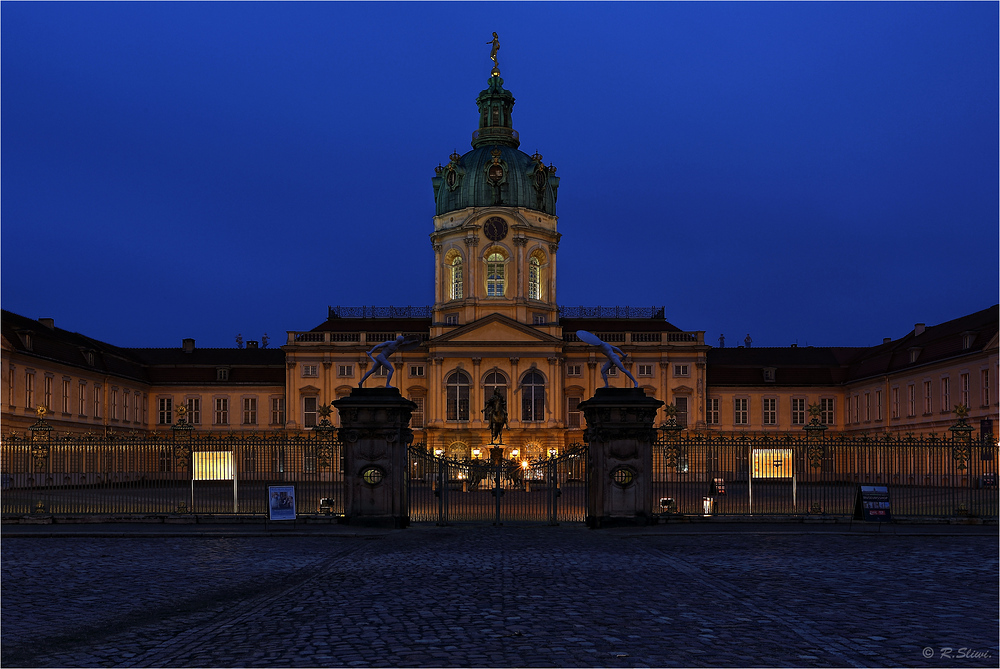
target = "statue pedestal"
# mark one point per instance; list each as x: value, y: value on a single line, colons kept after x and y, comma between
x: 375, y: 433
x: 620, y: 437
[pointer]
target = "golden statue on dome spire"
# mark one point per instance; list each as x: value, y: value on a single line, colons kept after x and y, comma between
x: 493, y: 55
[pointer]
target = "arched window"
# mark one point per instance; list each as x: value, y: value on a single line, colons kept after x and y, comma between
x: 495, y: 380
x: 495, y: 275
x: 533, y: 397
x: 534, y: 278
x: 458, y: 396
x: 456, y: 278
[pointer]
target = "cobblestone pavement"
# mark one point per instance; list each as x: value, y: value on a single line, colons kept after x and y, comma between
x: 508, y: 596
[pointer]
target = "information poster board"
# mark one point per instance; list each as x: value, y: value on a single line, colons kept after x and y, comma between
x: 772, y: 463
x: 872, y: 504
x: 281, y: 502
x: 212, y: 465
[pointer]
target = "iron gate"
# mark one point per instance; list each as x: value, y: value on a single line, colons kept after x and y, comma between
x: 551, y: 490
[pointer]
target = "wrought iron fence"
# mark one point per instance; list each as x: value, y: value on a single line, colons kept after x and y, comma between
x: 551, y: 490
x: 791, y: 474
x: 153, y: 474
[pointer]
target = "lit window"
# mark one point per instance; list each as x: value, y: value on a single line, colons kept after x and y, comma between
x: 533, y: 397
x: 458, y: 396
x: 456, y: 278
x: 534, y: 274
x: 741, y: 413
x: 798, y: 411
x: 495, y: 275
x: 770, y: 409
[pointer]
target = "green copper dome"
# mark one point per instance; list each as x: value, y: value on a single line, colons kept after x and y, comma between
x: 495, y: 172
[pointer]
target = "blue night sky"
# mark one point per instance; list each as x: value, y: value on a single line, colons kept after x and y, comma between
x: 817, y: 173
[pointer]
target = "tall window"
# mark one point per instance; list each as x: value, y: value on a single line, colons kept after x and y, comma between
x: 798, y: 411
x: 857, y: 401
x: 741, y: 412
x: 868, y: 407
x: 712, y: 411
x: 194, y: 410
x: 532, y: 397
x: 114, y: 404
x: 927, y: 396
x: 826, y: 411
x: 878, y: 405
x: 895, y: 402
x: 166, y: 411
x: 277, y: 411
x: 10, y: 385
x: 963, y: 384
x: 534, y: 277
x: 309, y: 411
x: 97, y: 400
x: 573, y: 412
x: 48, y: 393
x: 29, y: 390
x: 222, y: 411
x: 495, y: 275
x: 984, y: 387
x: 946, y: 394
x: 417, y: 417
x: 249, y: 410
x: 456, y: 278
x: 65, y: 396
x: 770, y: 409
x: 125, y: 405
x: 682, y: 410
x: 911, y: 400
x: 458, y: 396
x: 82, y: 398
x: 495, y: 380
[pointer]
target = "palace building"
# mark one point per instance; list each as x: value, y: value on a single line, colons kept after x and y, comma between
x: 496, y: 325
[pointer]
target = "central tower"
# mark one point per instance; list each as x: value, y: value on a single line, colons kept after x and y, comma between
x: 495, y: 237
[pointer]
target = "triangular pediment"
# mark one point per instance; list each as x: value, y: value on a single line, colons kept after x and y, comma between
x: 496, y: 328
x: 683, y: 390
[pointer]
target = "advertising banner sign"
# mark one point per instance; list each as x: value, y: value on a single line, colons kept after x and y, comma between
x: 281, y: 502
x: 212, y: 465
x: 771, y: 463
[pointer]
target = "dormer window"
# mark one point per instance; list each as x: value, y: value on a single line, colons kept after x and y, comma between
x: 914, y: 354
x: 967, y: 339
x: 26, y: 338
x: 222, y: 374
x: 769, y: 374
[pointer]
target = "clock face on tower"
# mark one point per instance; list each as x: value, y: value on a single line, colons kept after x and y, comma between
x: 495, y: 229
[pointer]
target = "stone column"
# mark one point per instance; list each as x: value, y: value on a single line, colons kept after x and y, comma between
x: 620, y: 437
x: 375, y: 433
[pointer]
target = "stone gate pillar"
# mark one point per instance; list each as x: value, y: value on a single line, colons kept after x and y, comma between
x: 620, y: 436
x: 375, y: 433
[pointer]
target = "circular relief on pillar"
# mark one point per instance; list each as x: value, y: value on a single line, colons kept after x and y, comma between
x: 372, y: 475
x: 623, y: 477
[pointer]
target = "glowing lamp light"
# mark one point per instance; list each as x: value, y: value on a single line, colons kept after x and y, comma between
x: 524, y: 464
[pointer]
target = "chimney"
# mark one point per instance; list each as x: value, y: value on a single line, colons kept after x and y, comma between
x: 886, y: 340
x: 795, y: 345
x: 188, y: 345
x: 251, y: 343
x: 48, y: 322
x: 918, y: 329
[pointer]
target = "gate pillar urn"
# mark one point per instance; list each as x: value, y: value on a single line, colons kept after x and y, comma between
x: 620, y: 437
x: 375, y: 433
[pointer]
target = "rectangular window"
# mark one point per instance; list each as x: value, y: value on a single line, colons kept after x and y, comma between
x: 416, y: 370
x: 857, y: 402
x: 574, y: 370
x: 613, y: 371
x: 826, y: 411
x: 249, y: 410
x: 166, y: 411
x: 65, y: 395
x: 309, y: 411
x: 10, y: 385
x: 984, y: 387
x: 878, y: 405
x: 114, y: 404
x: 194, y: 410
x: 798, y: 411
x: 770, y: 409
x: 310, y: 371
x: 277, y: 411
x: 417, y: 417
x: 712, y: 411
x: 48, y: 393
x: 741, y: 413
x: 911, y: 400
x: 682, y: 410
x: 895, y: 402
x: 538, y: 319
x: 573, y: 412
x: 681, y: 370
x: 345, y: 370
x: 82, y: 398
x: 645, y: 370
x: 927, y: 397
x: 381, y: 371
x: 29, y: 390
x: 222, y: 374
x: 963, y: 384
x: 222, y: 411
x: 97, y: 400
x: 451, y: 319
x: 145, y: 404
x: 138, y: 407
x: 125, y: 405
x: 868, y: 407
x: 945, y: 394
